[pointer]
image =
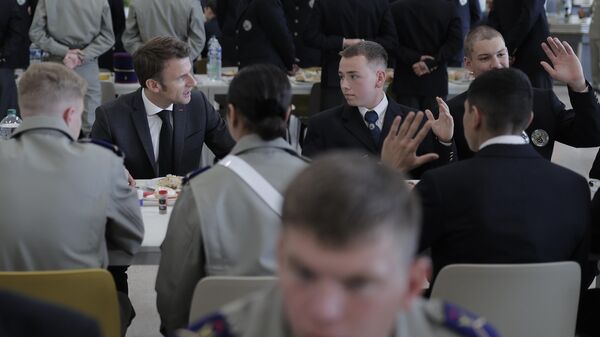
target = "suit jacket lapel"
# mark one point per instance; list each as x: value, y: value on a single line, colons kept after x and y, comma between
x: 392, y: 111
x: 140, y: 121
x: 354, y: 123
x: 179, y: 119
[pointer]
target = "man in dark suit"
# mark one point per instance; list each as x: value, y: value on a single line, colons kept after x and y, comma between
x: 161, y: 128
x: 298, y: 13
x: 117, y: 14
x: 21, y: 316
x: 508, y: 204
x: 469, y: 12
x: 226, y: 17
x: 429, y: 35
x: 524, y: 25
x: 578, y: 127
x: 14, y: 25
x: 262, y: 35
x: 337, y: 24
x: 365, y: 120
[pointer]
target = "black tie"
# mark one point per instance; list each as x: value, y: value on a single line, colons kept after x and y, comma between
x: 165, y: 145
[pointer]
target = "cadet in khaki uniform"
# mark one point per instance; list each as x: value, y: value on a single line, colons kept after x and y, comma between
x: 76, y: 33
x: 346, y: 263
x: 65, y: 205
x: 220, y: 225
x: 183, y: 19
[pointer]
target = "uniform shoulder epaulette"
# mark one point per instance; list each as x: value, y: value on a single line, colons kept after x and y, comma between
x: 214, y: 325
x: 107, y: 145
x: 194, y: 173
x: 466, y: 323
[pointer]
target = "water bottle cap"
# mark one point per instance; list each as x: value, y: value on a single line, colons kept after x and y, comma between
x: 12, y: 112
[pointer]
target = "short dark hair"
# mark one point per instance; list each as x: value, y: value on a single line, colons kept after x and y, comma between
x: 372, y: 51
x: 149, y: 60
x: 262, y: 94
x: 505, y: 97
x: 342, y: 197
x: 477, y: 34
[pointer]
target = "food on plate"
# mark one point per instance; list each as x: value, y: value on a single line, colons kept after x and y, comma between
x: 459, y: 75
x: 311, y: 75
x: 171, y: 193
x: 170, y: 181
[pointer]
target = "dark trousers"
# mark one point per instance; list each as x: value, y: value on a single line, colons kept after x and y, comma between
x: 127, y: 312
x: 8, y: 91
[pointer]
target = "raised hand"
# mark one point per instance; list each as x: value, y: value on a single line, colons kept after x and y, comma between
x: 566, y: 66
x: 400, y: 146
x: 443, y: 126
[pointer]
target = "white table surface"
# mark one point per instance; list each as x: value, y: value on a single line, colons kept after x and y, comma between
x: 155, y: 225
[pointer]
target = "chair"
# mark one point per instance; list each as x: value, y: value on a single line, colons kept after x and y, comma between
x: 89, y: 291
x: 518, y: 299
x: 213, y: 292
x: 314, y: 100
x: 108, y: 91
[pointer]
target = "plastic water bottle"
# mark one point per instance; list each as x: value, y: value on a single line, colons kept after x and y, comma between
x: 9, y: 123
x: 214, y: 59
x: 568, y: 7
x: 35, y: 54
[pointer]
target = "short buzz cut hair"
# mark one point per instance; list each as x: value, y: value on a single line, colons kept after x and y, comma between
x: 505, y: 97
x: 343, y: 197
x: 372, y: 51
x: 149, y: 60
x: 48, y: 83
x: 477, y: 34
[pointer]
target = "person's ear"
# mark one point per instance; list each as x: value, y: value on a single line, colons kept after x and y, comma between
x: 530, y: 119
x: 68, y: 115
x: 153, y: 85
x: 418, y: 273
x: 381, y: 76
x: 232, y: 115
x: 468, y: 64
x: 477, y: 117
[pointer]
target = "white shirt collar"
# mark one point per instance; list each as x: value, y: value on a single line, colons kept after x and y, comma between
x: 151, y: 108
x: 505, y: 139
x: 379, y: 109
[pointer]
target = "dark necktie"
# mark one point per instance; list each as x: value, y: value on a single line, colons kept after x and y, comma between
x: 371, y: 117
x: 165, y: 144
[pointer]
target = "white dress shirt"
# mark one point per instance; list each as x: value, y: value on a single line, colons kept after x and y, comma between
x: 379, y: 109
x: 154, y: 121
x: 505, y: 139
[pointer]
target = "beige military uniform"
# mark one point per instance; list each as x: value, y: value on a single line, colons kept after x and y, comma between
x: 183, y: 19
x: 60, y: 25
x: 261, y: 315
x: 220, y: 226
x: 65, y: 204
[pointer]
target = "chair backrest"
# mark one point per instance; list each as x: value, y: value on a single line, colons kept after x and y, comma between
x: 89, y: 291
x: 314, y: 100
x: 213, y: 292
x: 107, y: 89
x: 518, y: 299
